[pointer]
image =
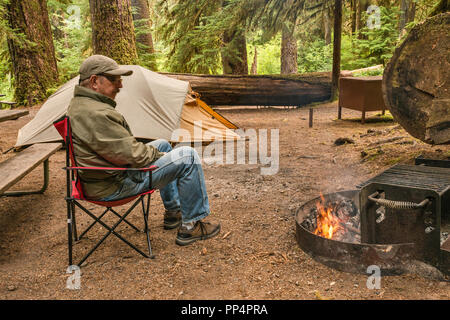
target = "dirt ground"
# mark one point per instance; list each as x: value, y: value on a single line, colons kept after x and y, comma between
x: 255, y: 256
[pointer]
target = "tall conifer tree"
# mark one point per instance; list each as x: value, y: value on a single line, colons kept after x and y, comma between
x: 113, y: 30
x: 33, y: 55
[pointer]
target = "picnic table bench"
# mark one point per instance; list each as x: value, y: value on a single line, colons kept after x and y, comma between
x: 10, y: 103
x: 12, y: 114
x: 14, y: 169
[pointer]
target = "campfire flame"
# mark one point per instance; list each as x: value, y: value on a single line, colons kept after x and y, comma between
x: 327, y: 223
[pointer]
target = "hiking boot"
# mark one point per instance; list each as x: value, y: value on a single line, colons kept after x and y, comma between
x: 172, y: 219
x: 200, y: 231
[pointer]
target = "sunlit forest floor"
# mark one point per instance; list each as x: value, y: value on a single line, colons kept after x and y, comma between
x: 255, y: 256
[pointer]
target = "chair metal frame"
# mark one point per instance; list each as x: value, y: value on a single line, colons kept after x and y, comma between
x: 75, y: 195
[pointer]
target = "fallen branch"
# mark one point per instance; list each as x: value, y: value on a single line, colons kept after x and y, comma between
x: 386, y: 141
x: 226, y: 235
x: 308, y: 157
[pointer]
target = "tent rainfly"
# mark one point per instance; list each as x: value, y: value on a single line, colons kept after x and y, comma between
x: 155, y: 107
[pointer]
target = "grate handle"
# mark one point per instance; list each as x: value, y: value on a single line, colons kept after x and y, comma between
x: 401, y: 205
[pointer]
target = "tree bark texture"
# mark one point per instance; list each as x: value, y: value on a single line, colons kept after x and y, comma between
x: 232, y: 63
x: 254, y: 68
x: 353, y: 9
x: 327, y: 26
x: 407, y: 13
x: 113, y: 30
x: 289, y: 64
x: 336, y: 48
x: 144, y: 38
x: 260, y: 90
x: 415, y: 81
x: 34, y: 64
x: 362, y: 7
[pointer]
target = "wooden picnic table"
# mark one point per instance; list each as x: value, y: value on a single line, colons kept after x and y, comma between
x: 14, y: 169
x: 12, y: 114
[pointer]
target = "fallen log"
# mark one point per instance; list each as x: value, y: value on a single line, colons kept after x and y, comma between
x: 416, y: 81
x: 259, y: 90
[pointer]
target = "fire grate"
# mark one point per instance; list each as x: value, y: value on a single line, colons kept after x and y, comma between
x: 408, y: 204
x: 402, y: 213
x: 423, y: 177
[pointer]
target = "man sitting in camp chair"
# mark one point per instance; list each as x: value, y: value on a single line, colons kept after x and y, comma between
x: 102, y: 138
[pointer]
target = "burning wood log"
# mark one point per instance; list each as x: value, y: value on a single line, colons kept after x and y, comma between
x: 416, y: 81
x: 259, y: 90
x: 336, y: 220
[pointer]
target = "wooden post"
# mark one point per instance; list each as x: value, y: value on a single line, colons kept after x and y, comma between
x: 336, y: 49
x: 311, y: 114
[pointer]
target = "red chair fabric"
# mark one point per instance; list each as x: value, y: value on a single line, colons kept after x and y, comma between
x: 75, y: 194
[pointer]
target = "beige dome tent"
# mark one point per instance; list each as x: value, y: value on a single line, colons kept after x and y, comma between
x: 155, y: 106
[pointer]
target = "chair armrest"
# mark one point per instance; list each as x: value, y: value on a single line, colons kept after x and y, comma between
x: 151, y: 168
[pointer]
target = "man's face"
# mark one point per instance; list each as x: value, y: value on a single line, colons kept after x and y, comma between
x: 106, y: 84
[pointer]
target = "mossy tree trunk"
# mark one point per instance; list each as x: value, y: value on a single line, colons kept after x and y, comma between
x: 289, y: 64
x: 113, y: 30
x: 336, y: 49
x: 234, y: 58
x: 33, y: 55
x: 144, y: 39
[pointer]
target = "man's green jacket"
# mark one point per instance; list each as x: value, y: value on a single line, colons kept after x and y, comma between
x: 102, y: 138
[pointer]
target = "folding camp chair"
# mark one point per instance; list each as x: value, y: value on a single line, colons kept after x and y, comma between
x: 75, y: 196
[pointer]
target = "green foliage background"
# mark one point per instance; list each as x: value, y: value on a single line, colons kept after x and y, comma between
x: 187, y: 36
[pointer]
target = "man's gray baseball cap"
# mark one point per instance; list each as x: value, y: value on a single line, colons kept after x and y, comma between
x: 98, y: 64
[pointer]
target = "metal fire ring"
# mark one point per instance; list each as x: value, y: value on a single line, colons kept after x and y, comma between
x: 351, y: 257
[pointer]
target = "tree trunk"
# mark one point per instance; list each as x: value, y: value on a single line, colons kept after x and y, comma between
x: 415, y: 82
x: 232, y: 63
x: 336, y: 49
x: 260, y: 90
x: 34, y: 63
x: 411, y: 13
x: 113, y: 30
x: 144, y: 37
x: 254, y: 69
x: 327, y: 26
x: 353, y: 9
x: 362, y: 7
x: 289, y: 63
x: 407, y: 13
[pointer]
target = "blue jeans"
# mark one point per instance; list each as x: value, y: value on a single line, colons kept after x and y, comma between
x: 180, y: 179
